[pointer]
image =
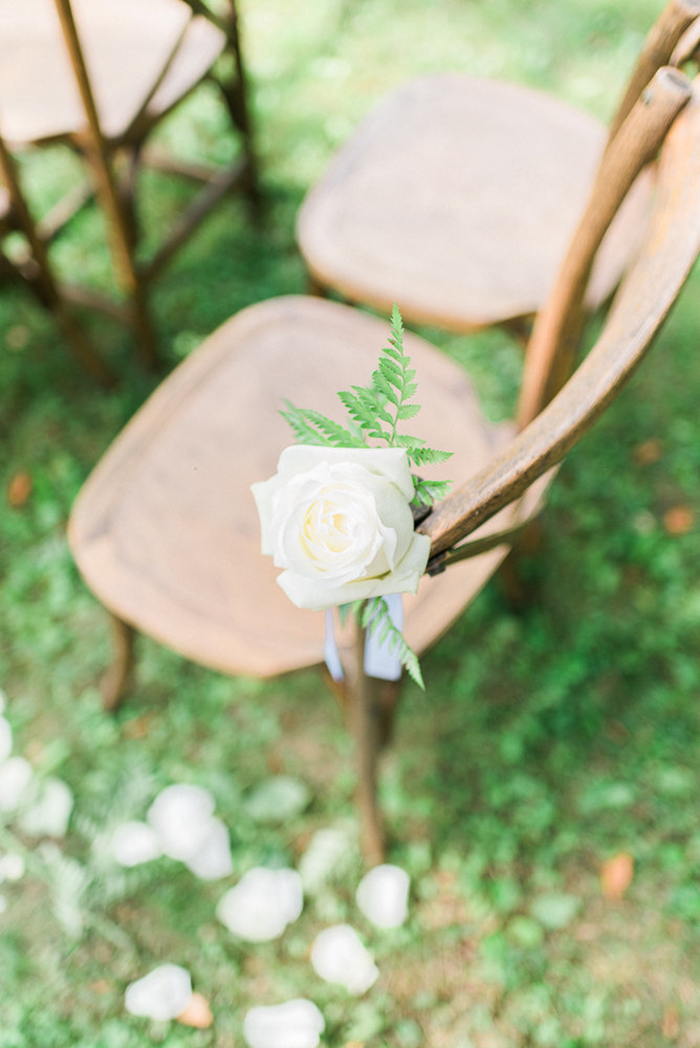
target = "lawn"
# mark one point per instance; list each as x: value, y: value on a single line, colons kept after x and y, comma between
x: 542, y: 794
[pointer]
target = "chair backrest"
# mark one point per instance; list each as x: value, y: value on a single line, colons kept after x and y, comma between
x: 657, y: 51
x: 555, y: 412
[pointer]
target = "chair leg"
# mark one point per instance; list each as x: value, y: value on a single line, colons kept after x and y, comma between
x: 365, y: 729
x: 117, y: 678
x: 527, y: 545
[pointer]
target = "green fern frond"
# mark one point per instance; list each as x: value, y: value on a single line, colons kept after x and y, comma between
x: 426, y: 492
x: 374, y: 615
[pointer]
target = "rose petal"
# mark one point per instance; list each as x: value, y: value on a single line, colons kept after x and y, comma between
x: 49, y: 815
x: 134, y: 843
x: 262, y: 904
x: 306, y: 593
x: 213, y: 859
x: 181, y: 816
x: 15, y: 775
x: 12, y: 867
x: 5, y: 739
x: 338, y: 956
x: 382, y: 895
x: 386, y: 462
x: 294, y: 1024
x: 163, y: 994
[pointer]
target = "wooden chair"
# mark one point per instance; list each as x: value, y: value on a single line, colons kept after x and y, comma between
x: 100, y: 77
x: 165, y: 532
x: 458, y: 196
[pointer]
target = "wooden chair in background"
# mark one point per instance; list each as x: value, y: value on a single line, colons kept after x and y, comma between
x: 100, y: 77
x: 457, y: 197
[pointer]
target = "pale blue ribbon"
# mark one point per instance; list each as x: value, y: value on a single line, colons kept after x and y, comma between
x: 379, y: 660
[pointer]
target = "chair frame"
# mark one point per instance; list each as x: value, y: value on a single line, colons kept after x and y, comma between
x: 116, y: 195
x: 557, y: 410
x: 35, y: 271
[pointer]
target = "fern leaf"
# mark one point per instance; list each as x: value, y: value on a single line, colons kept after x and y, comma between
x: 337, y: 434
x: 421, y: 456
x: 407, y: 411
x: 305, y: 433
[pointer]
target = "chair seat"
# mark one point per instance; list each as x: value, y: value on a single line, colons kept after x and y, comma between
x: 457, y: 198
x: 165, y: 530
x: 128, y: 46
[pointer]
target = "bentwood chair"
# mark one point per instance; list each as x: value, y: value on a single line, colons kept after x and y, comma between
x: 100, y: 77
x: 165, y: 531
x: 457, y: 197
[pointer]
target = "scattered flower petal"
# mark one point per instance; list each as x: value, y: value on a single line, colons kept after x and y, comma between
x: 5, y: 739
x: 181, y: 815
x: 15, y: 775
x: 329, y: 855
x: 616, y: 876
x: 12, y: 867
x: 294, y: 1024
x: 163, y: 994
x: 262, y: 904
x: 382, y: 895
x: 49, y: 814
x: 197, y: 1013
x: 278, y: 799
x: 213, y: 860
x: 134, y: 843
x: 338, y: 956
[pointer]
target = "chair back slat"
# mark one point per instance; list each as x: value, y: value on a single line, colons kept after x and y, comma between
x: 557, y: 330
x: 656, y: 52
x: 642, y: 303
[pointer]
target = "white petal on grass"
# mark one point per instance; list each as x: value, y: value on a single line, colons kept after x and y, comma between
x: 162, y: 994
x: 330, y: 853
x: 213, y: 860
x: 338, y: 956
x: 135, y: 842
x: 382, y: 895
x: 12, y: 867
x: 181, y: 815
x: 262, y: 904
x: 294, y: 1024
x: 15, y: 775
x: 5, y: 738
x: 50, y: 812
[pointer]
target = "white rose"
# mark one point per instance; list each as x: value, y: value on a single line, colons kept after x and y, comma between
x: 338, y: 521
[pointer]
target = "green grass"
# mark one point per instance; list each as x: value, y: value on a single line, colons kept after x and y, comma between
x: 549, y: 740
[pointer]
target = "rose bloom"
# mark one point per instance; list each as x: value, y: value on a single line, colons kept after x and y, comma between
x: 338, y: 521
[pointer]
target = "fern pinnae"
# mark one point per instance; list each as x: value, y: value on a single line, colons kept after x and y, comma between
x: 340, y: 436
